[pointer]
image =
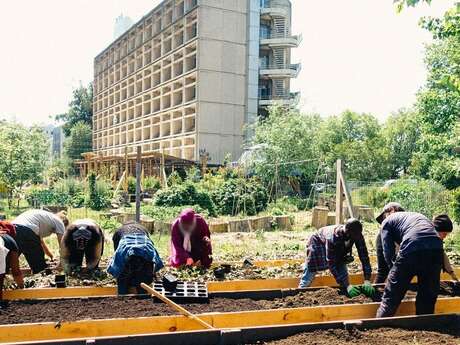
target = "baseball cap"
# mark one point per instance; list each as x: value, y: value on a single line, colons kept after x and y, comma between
x: 387, y: 208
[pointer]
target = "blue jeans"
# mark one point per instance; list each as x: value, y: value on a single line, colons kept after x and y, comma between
x: 308, y: 276
x: 136, y: 271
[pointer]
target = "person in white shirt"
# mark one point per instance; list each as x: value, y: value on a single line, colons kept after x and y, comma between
x: 31, y: 228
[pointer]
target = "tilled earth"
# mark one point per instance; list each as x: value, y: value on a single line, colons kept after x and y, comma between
x: 387, y: 336
x: 125, y: 307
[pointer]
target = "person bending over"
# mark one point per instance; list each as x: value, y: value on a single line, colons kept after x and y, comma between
x: 135, y: 260
x: 31, y: 228
x: 190, y: 241
x: 420, y: 254
x: 330, y: 248
x: 9, y: 260
x: 83, y: 238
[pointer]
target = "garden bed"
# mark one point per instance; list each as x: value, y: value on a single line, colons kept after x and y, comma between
x: 387, y: 336
x: 30, y: 311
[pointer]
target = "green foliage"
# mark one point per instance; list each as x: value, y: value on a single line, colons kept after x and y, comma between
x: 37, y: 197
x: 425, y: 196
x: 24, y: 154
x: 167, y: 213
x: 99, y: 195
x: 73, y: 189
x: 174, y: 179
x: 131, y: 185
x: 373, y: 196
x: 79, y: 140
x: 185, y: 194
x: 151, y: 184
x: 456, y: 205
x: 234, y: 196
x: 80, y: 109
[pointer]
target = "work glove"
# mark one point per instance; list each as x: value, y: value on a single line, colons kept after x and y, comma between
x: 353, y: 291
x: 368, y: 289
x: 189, y: 262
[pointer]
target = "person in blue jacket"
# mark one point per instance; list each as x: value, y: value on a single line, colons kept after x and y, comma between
x: 420, y: 254
x: 135, y: 260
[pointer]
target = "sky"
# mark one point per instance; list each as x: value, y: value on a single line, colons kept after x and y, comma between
x: 356, y: 54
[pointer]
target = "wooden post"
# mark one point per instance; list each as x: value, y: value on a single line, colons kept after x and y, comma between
x: 164, y: 180
x: 125, y: 184
x: 339, y: 194
x: 138, y: 183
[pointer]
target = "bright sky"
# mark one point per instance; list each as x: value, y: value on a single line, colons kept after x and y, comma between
x: 356, y: 54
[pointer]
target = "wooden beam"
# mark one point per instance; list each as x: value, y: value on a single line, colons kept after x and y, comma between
x: 339, y: 195
x: 164, y: 324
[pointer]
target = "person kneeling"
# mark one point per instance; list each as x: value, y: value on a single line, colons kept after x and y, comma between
x: 135, y: 260
x: 82, y: 239
x: 190, y: 241
x: 9, y: 260
x: 330, y: 248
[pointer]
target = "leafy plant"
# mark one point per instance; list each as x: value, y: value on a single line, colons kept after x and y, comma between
x: 99, y: 193
x: 151, y: 184
x: 164, y: 213
x: 185, y: 194
x: 456, y: 205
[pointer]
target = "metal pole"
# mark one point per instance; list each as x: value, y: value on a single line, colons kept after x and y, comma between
x: 138, y: 183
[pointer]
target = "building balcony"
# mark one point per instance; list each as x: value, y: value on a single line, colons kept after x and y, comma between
x: 281, y: 71
x: 270, y: 8
x: 285, y: 100
x: 281, y: 41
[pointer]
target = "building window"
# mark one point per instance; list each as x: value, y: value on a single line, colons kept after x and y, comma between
x: 265, y: 31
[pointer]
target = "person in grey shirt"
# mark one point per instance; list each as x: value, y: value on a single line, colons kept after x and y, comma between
x: 31, y: 228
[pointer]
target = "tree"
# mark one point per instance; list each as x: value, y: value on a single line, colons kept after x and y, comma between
x: 80, y: 109
x: 79, y: 140
x: 357, y: 139
x: 287, y: 146
x: 401, y: 133
x: 24, y: 153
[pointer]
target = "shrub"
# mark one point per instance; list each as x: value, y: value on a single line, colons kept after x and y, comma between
x: 37, y: 197
x: 99, y: 193
x: 239, y: 195
x: 131, y: 185
x: 370, y: 196
x: 151, y: 184
x: 163, y: 213
x: 425, y: 196
x: 185, y: 194
x: 456, y: 205
x: 174, y: 179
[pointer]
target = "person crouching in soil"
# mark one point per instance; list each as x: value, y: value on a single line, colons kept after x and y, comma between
x: 135, y: 260
x: 330, y: 248
x: 190, y: 241
x: 420, y: 254
x: 83, y: 238
x: 9, y: 260
x: 31, y: 228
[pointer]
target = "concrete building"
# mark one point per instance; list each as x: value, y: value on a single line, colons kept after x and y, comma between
x: 188, y: 77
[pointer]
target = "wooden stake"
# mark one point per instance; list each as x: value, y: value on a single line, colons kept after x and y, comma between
x: 181, y: 310
x: 138, y: 183
x: 339, y: 195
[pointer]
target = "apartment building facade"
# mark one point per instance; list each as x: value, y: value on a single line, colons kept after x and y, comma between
x: 188, y: 77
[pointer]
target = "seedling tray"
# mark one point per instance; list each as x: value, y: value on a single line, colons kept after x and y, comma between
x: 185, y: 292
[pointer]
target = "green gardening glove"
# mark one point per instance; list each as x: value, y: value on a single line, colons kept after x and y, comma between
x: 353, y: 291
x: 368, y: 289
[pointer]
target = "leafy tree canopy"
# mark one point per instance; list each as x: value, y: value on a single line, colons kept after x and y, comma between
x: 79, y: 140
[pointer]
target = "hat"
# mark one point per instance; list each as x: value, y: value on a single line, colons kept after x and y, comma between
x: 396, y: 206
x: 442, y: 223
x: 187, y: 216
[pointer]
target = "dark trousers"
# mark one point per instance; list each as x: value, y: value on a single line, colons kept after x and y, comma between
x: 30, y: 245
x: 382, y: 267
x: 426, y: 266
x: 137, y: 270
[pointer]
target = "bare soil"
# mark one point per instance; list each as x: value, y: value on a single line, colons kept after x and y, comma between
x: 124, y: 307
x: 387, y: 336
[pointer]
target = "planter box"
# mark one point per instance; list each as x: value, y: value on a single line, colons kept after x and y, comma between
x: 261, y: 223
x: 163, y: 227
x: 283, y: 222
x: 148, y: 223
x: 243, y: 225
x: 219, y: 227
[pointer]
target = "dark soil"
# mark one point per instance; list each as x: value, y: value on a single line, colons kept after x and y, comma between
x: 387, y: 336
x: 125, y: 307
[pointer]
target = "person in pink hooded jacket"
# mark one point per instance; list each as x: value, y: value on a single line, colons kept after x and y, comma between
x: 190, y: 241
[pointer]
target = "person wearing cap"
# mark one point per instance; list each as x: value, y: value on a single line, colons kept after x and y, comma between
x: 9, y: 260
x: 330, y: 248
x: 135, y: 260
x: 382, y: 267
x: 83, y: 238
x: 32, y: 227
x: 190, y: 241
x: 444, y: 227
x: 420, y: 254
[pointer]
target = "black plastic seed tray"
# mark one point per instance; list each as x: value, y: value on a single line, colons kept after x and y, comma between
x: 185, y: 292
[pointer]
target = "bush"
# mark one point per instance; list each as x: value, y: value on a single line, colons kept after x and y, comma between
x: 241, y: 195
x: 151, y: 184
x: 185, y: 194
x: 163, y: 213
x: 99, y: 193
x: 131, y: 185
x: 424, y: 196
x: 456, y: 205
x: 373, y: 196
